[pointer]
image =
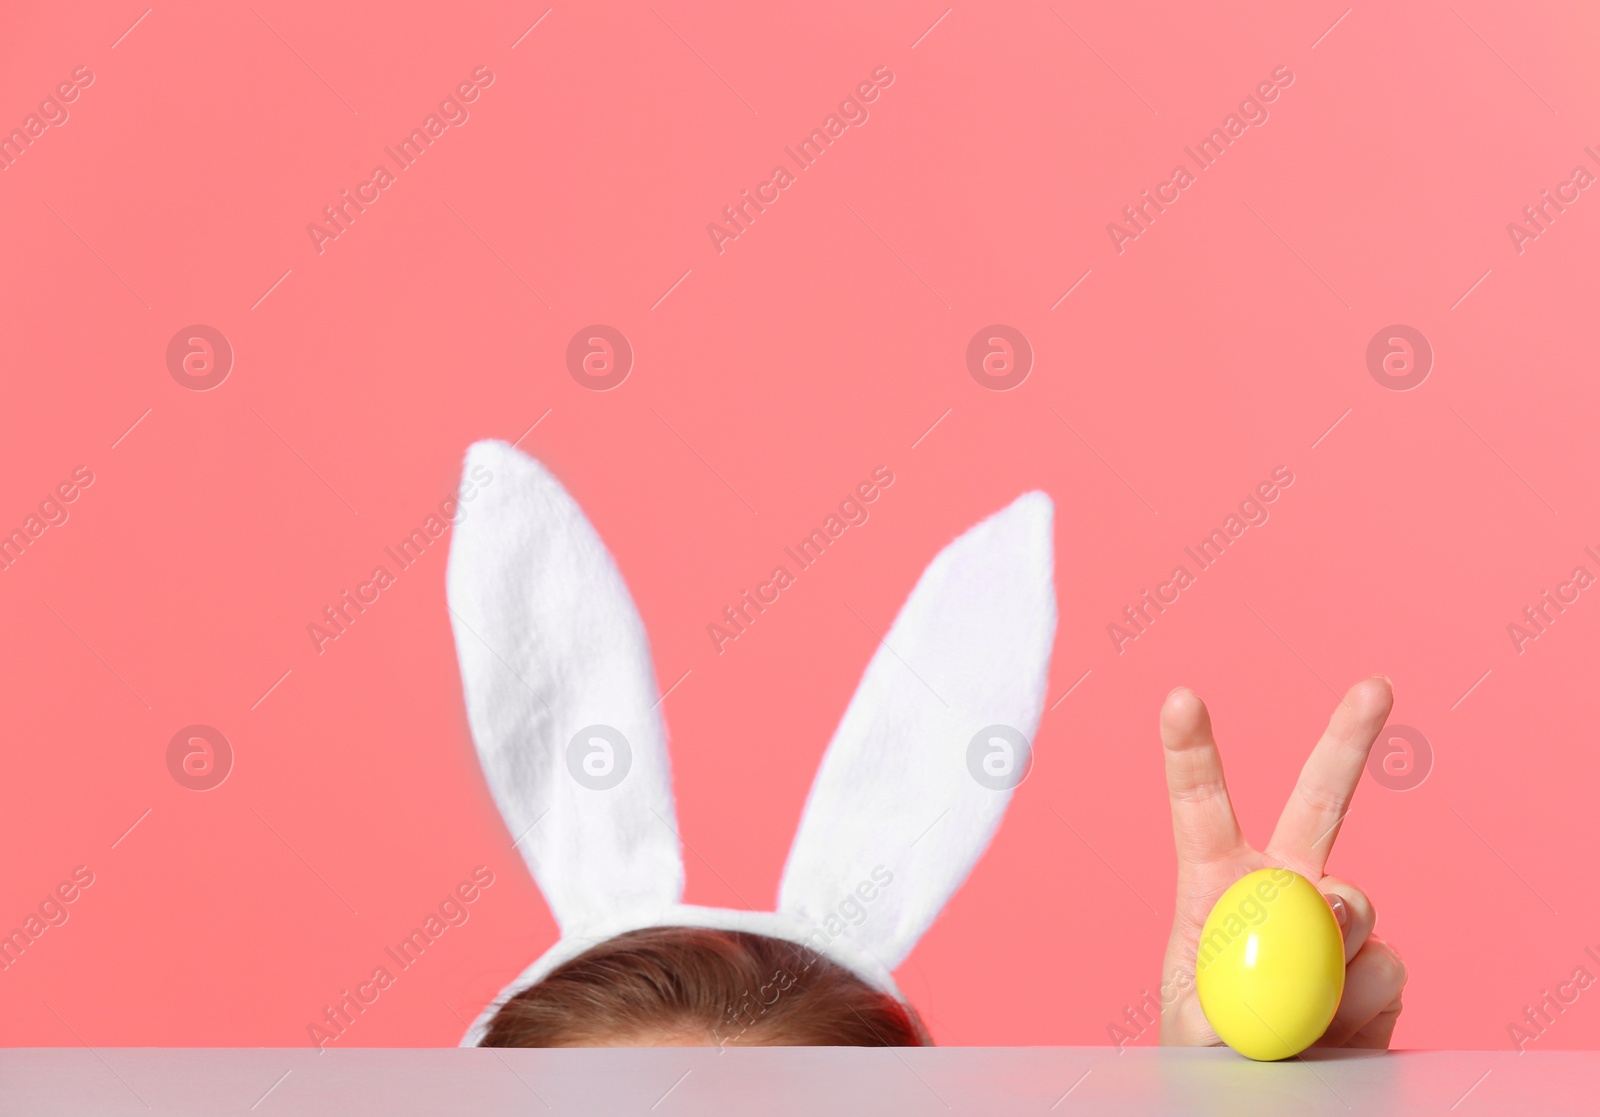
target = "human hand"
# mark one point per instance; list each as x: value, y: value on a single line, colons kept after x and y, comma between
x: 1212, y: 854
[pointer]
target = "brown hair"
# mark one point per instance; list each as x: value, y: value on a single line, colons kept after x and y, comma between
x: 696, y: 985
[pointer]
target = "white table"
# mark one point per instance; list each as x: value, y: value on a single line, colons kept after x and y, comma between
x: 816, y: 1082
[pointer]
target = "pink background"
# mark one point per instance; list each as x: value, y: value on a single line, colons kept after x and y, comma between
x: 1227, y: 340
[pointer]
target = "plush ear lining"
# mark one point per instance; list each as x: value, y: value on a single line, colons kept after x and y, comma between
x: 910, y: 791
x: 560, y: 693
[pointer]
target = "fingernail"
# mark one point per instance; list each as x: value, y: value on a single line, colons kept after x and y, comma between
x: 1341, y: 911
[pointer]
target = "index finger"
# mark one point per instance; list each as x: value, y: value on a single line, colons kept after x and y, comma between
x: 1321, y: 798
x: 1203, y: 823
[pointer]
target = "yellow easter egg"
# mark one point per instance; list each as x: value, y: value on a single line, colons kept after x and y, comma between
x: 1270, y: 969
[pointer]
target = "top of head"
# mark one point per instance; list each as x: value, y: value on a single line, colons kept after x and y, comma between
x: 565, y: 711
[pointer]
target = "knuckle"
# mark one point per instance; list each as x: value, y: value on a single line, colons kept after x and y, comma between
x: 1199, y: 791
x: 1390, y: 967
x: 1322, y: 798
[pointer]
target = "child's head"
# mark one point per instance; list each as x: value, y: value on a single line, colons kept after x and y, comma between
x: 692, y: 986
x: 565, y: 708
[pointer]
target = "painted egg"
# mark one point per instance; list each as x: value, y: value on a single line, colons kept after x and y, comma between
x: 1270, y: 967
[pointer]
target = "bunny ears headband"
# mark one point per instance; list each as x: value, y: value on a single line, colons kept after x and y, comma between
x: 564, y: 707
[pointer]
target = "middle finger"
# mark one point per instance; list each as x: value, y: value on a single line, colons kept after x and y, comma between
x: 1311, y: 818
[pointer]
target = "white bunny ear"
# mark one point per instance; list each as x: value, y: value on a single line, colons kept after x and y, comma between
x: 560, y: 693
x: 921, y: 768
